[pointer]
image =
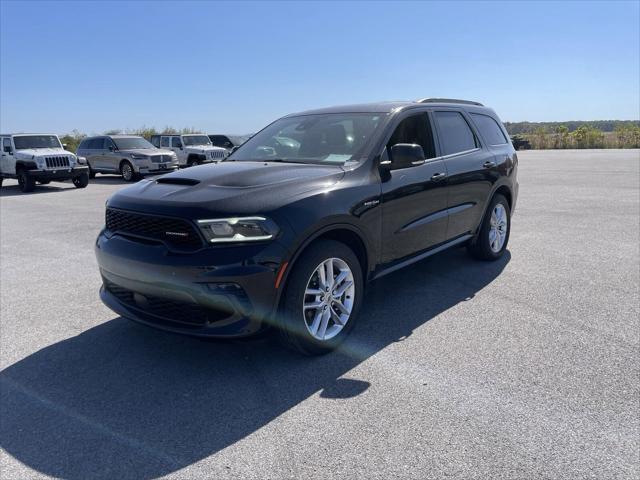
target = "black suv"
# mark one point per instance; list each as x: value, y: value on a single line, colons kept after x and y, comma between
x: 287, y: 231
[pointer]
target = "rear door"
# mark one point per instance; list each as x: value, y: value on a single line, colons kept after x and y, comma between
x: 470, y: 168
x: 414, y: 200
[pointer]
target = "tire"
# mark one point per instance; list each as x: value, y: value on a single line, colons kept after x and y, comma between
x: 92, y: 173
x: 25, y: 182
x: 1, y: 179
x: 193, y: 162
x: 296, y: 323
x: 127, y: 171
x: 81, y: 181
x: 496, y: 219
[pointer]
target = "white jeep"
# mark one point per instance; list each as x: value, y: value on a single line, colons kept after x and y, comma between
x: 39, y: 158
x: 191, y: 149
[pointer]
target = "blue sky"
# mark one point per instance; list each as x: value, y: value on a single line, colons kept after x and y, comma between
x: 233, y: 67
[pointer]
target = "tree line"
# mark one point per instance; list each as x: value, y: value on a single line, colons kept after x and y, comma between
x: 73, y: 139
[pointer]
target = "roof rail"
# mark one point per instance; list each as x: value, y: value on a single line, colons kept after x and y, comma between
x: 448, y: 100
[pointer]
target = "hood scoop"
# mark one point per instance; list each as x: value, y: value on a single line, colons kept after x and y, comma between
x: 178, y: 181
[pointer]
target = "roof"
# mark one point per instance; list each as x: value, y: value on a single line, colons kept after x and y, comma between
x: 389, y: 107
x: 23, y: 133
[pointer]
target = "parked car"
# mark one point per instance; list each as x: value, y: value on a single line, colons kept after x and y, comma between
x: 191, y: 149
x: 129, y: 155
x: 41, y: 158
x: 228, y: 142
x: 520, y: 143
x: 288, y: 238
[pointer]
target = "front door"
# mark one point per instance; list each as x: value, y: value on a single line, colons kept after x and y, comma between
x: 110, y: 156
x: 7, y: 161
x: 178, y: 148
x: 414, y: 200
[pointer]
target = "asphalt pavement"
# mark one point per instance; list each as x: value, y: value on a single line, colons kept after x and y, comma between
x: 524, y: 368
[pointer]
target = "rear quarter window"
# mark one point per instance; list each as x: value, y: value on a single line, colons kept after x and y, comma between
x: 489, y: 129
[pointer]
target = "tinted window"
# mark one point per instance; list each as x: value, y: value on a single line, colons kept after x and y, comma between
x: 6, y: 142
x: 221, y: 141
x: 24, y: 142
x: 83, y: 144
x: 489, y: 129
x: 96, y: 144
x: 164, y: 142
x: 155, y: 141
x: 108, y: 143
x: 176, y: 142
x: 414, y: 129
x: 455, y: 133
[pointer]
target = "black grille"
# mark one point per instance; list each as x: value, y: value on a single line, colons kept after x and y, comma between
x: 174, y: 232
x: 188, y: 314
x: 57, y: 162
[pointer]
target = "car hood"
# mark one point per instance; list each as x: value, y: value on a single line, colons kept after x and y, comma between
x: 147, y: 151
x: 41, y: 152
x: 227, y: 188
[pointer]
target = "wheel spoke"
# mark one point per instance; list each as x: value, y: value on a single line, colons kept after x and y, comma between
x: 329, y: 265
x: 314, y: 305
x: 316, y: 322
x: 313, y: 291
x: 322, y: 279
x: 336, y: 318
x: 342, y: 288
x: 341, y: 276
x: 324, y: 323
x: 341, y: 307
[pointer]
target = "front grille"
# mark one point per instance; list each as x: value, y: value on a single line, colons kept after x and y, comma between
x: 161, y: 158
x: 218, y: 154
x: 57, y: 162
x: 188, y: 314
x: 174, y: 232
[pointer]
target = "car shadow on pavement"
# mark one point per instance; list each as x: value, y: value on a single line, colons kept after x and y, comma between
x: 14, y: 190
x: 126, y: 401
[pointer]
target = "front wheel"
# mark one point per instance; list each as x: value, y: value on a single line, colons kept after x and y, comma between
x: 322, y: 298
x: 81, y: 181
x: 126, y: 169
x: 493, y: 236
x: 25, y: 182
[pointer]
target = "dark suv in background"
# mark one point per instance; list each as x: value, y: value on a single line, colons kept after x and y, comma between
x: 228, y: 142
x: 288, y: 229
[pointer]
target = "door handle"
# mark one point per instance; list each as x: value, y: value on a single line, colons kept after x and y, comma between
x: 489, y: 164
x: 438, y: 176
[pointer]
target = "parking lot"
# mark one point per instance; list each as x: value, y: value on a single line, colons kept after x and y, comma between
x: 528, y: 367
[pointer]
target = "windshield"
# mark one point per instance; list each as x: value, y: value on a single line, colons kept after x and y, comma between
x: 333, y: 138
x: 131, y: 143
x: 24, y: 142
x: 196, y: 140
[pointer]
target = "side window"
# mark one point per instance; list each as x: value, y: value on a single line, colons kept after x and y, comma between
x: 155, y: 141
x: 489, y: 129
x: 109, y: 143
x: 176, y: 142
x: 415, y: 129
x: 164, y: 141
x: 455, y: 134
x: 6, y: 144
x: 83, y: 144
x: 218, y: 140
x: 96, y: 144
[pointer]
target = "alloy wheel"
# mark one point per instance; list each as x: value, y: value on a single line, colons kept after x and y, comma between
x: 328, y: 299
x: 498, y: 228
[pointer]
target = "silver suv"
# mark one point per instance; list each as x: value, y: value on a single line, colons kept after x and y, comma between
x: 129, y: 155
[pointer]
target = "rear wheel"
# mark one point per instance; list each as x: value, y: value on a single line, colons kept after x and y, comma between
x: 126, y: 169
x: 493, y: 236
x: 81, y: 181
x: 25, y: 182
x: 322, y: 298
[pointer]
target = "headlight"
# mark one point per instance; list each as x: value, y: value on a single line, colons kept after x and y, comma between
x: 40, y: 162
x: 81, y: 160
x: 240, y: 229
x: 137, y: 156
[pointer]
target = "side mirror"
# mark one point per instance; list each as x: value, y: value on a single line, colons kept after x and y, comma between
x: 64, y: 145
x: 7, y: 149
x: 111, y: 148
x: 404, y: 155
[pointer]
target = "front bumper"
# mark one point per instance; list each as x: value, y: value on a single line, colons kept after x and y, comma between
x: 58, y: 174
x: 213, y: 292
x: 154, y: 168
